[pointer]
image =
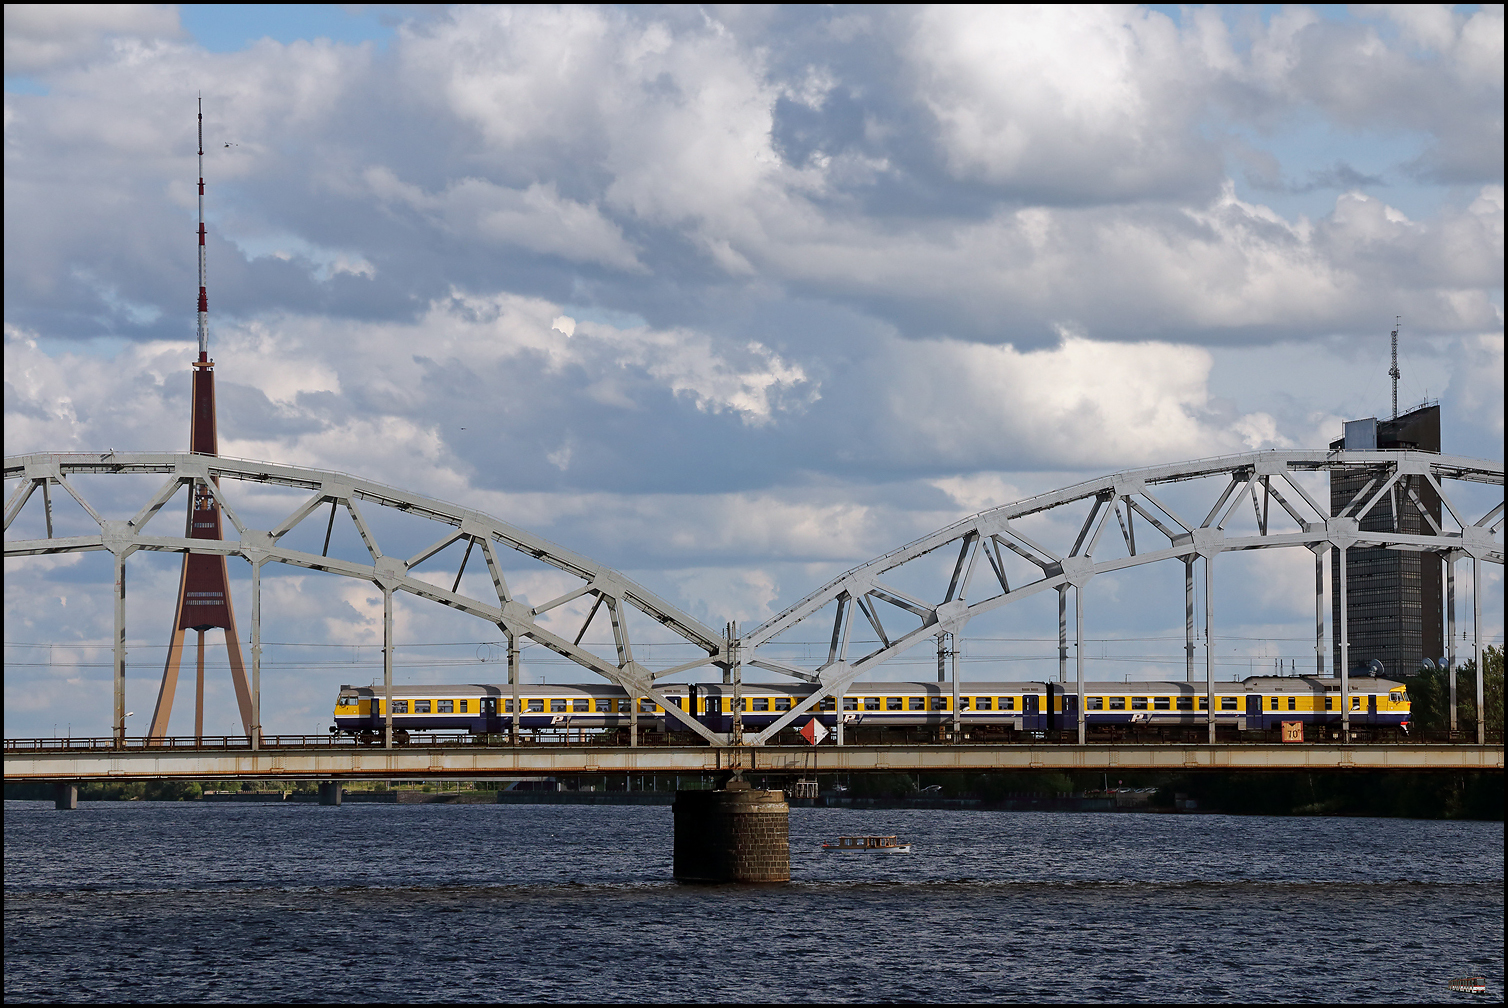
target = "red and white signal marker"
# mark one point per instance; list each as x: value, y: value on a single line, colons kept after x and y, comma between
x: 814, y: 732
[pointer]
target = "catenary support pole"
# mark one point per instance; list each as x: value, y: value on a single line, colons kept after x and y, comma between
x: 953, y: 674
x: 1476, y: 644
x: 255, y: 728
x: 1078, y: 632
x: 513, y: 680
x: 387, y: 666
x: 1345, y: 649
x: 1450, y: 634
x: 1209, y: 646
x: 1062, y: 633
x: 1188, y: 619
x: 199, y: 690
x: 1320, y: 643
x: 119, y: 660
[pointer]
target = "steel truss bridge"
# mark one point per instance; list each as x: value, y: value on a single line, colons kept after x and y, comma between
x: 1054, y: 542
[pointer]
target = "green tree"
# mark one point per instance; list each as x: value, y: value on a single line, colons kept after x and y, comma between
x: 1429, y: 695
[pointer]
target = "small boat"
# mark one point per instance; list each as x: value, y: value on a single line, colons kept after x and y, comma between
x: 1469, y: 985
x: 868, y: 845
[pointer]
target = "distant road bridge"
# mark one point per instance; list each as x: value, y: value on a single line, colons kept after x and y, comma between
x: 1189, y: 512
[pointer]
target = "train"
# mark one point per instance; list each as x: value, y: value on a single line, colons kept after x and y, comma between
x: 1253, y: 704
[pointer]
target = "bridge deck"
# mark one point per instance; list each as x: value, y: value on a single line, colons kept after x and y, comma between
x: 452, y: 763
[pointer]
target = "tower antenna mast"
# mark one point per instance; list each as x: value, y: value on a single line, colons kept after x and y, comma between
x: 203, y: 289
x: 1392, y: 372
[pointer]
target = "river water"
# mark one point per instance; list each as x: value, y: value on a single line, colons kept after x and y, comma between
x: 199, y: 902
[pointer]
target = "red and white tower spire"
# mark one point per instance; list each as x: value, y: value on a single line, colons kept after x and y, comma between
x: 204, y: 588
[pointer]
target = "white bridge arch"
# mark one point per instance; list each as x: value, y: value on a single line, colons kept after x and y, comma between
x: 1397, y: 492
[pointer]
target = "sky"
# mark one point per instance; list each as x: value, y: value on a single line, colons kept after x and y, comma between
x: 730, y: 298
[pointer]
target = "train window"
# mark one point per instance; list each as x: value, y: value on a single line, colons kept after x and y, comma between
x: 1229, y: 703
x: 535, y: 705
x: 462, y: 706
x: 1395, y: 697
x: 871, y: 703
x: 1293, y: 703
x: 1138, y: 703
x: 1329, y: 703
x: 557, y: 706
x: 1117, y: 703
x: 1007, y: 702
x: 1094, y: 703
x: 1275, y: 705
x: 917, y: 703
x: 1185, y: 703
x: 1162, y: 703
x: 400, y: 706
x: 963, y: 703
x: 581, y: 705
x: 1356, y: 703
x: 761, y: 703
x: 783, y: 703
x: 893, y: 703
x: 646, y: 706
x: 850, y: 703
x: 828, y: 703
x: 421, y: 706
x: 445, y: 706
x: 982, y: 703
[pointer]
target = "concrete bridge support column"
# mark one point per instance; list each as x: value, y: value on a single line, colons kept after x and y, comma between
x: 65, y: 796
x: 737, y: 834
x: 329, y: 792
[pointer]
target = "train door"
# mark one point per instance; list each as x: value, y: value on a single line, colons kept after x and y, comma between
x: 1052, y: 707
x: 1029, y: 706
x: 1372, y: 708
x: 1254, y: 711
x: 489, y: 714
x: 694, y: 695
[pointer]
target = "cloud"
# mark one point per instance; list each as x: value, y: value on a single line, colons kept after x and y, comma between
x: 43, y: 37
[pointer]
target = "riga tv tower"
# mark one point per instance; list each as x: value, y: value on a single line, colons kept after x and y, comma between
x: 203, y: 588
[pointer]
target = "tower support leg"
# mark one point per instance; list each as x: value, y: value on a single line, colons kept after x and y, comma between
x: 169, y: 687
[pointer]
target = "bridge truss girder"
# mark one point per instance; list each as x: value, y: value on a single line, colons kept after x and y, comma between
x: 977, y: 582
x: 1260, y: 478
x: 610, y: 590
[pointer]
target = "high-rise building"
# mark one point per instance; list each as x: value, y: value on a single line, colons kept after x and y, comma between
x: 1393, y: 597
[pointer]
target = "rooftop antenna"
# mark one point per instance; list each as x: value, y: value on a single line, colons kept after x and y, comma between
x: 203, y: 289
x: 1392, y: 372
